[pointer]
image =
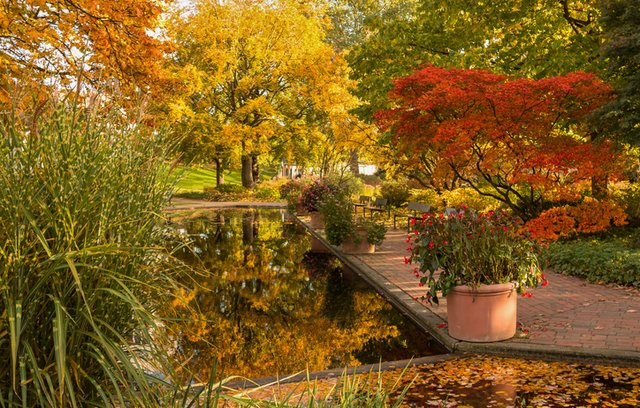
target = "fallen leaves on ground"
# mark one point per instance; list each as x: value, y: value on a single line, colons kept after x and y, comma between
x: 488, y: 381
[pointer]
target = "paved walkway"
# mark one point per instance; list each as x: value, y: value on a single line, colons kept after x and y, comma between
x: 569, y: 318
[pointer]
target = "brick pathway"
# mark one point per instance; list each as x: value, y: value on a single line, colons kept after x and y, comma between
x: 569, y: 318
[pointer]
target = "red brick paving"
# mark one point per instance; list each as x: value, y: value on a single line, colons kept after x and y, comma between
x: 569, y: 312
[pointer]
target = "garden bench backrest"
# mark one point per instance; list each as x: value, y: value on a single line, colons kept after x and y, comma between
x: 380, y: 202
x: 418, y: 207
x: 364, y: 199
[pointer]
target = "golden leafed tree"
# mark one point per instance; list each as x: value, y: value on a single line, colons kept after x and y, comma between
x: 102, y: 43
x: 263, y: 78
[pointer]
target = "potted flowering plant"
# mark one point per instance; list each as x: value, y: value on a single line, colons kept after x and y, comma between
x: 355, y: 235
x: 475, y: 256
x: 311, y: 197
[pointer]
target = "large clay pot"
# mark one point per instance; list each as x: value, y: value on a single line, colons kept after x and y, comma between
x: 349, y: 246
x: 483, y: 314
x: 317, y: 220
x: 301, y: 210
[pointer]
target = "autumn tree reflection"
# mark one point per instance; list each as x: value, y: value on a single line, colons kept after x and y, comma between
x: 265, y: 306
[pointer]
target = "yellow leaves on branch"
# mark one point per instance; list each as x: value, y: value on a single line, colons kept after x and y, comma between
x: 265, y: 73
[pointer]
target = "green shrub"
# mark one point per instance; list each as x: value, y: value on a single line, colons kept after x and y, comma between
x: 80, y: 261
x: 396, y: 192
x: 455, y: 198
x: 346, y: 185
x: 629, y: 199
x: 608, y: 262
x: 230, y: 188
x: 266, y: 192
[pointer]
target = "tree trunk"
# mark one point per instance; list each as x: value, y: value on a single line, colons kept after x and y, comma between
x: 255, y: 169
x: 219, y: 172
x: 599, y: 184
x: 353, y: 162
x: 247, y: 171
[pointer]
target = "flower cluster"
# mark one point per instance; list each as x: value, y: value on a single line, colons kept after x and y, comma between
x: 587, y: 217
x: 313, y: 194
x: 472, y: 249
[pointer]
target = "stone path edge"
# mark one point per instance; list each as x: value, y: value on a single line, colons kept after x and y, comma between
x: 429, y: 321
x: 338, y: 372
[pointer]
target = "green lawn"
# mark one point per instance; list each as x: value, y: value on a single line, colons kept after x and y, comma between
x: 197, y: 178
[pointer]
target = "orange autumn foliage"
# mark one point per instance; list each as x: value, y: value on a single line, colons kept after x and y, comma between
x: 587, y: 217
x: 523, y: 141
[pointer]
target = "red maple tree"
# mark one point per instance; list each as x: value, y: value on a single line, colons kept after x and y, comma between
x: 521, y: 141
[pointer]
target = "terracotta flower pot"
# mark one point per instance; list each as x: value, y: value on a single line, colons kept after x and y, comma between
x: 317, y: 220
x: 483, y: 314
x: 349, y: 246
x: 300, y: 210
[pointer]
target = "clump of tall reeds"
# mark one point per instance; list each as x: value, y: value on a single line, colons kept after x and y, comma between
x: 80, y: 260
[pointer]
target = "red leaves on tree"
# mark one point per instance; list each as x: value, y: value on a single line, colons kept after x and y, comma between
x: 516, y: 130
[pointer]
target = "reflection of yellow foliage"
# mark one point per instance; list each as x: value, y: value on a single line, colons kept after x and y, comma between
x: 257, y: 304
x: 182, y: 298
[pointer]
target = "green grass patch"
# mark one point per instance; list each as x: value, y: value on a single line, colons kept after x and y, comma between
x: 196, y: 179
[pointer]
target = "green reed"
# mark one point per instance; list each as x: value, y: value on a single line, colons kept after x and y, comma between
x: 80, y: 261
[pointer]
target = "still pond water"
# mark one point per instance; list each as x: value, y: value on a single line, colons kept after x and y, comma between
x: 268, y: 306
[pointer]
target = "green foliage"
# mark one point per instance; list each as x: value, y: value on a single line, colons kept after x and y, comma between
x: 80, y: 265
x: 225, y: 192
x: 615, y: 261
x: 346, y: 185
x: 376, y: 231
x: 459, y: 197
x: 341, y: 224
x: 266, y: 192
x: 629, y: 199
x: 396, y: 192
x: 472, y: 249
x: 536, y: 38
x: 621, y: 23
x: 468, y: 197
x: 338, y: 219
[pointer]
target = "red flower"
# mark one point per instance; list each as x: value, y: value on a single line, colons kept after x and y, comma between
x: 406, y: 260
x: 527, y: 294
x: 431, y: 245
x: 545, y: 282
x: 412, y: 221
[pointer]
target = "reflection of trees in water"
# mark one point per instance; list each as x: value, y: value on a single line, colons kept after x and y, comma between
x: 260, y: 311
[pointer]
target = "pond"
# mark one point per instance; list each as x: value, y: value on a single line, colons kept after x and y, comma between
x: 267, y: 306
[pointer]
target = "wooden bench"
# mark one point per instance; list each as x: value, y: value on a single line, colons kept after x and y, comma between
x: 414, y: 211
x: 363, y: 202
x: 379, y: 205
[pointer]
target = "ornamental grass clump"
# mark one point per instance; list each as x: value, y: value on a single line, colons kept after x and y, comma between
x: 82, y: 265
x: 472, y: 249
